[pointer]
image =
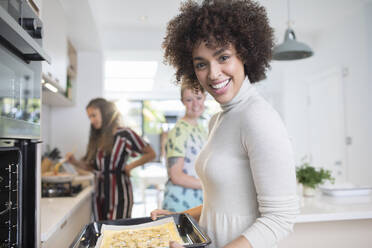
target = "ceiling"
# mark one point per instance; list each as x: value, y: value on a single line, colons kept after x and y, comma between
x: 134, y: 30
x: 140, y: 25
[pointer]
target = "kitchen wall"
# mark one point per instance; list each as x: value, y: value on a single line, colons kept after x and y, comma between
x: 343, y: 46
x: 346, y: 47
x: 69, y: 127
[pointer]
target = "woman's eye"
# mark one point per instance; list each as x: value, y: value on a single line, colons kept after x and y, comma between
x: 199, y: 65
x: 224, y: 57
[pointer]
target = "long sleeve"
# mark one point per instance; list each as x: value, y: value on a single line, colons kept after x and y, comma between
x: 266, y: 142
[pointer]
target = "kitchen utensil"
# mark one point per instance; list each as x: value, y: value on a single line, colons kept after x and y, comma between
x: 56, y: 167
x: 46, y: 165
x: 187, y: 227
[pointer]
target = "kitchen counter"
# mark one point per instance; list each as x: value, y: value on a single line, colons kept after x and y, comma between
x: 326, y: 221
x: 327, y: 208
x: 56, y: 211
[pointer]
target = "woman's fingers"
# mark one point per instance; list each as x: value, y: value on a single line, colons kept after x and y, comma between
x: 173, y: 244
x: 159, y: 212
x: 70, y: 157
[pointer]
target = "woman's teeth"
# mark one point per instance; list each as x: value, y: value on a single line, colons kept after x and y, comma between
x: 220, y: 85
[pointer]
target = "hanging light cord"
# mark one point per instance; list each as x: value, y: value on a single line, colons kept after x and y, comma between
x: 289, y: 20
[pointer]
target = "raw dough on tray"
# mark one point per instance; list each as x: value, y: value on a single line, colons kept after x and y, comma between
x: 146, y: 237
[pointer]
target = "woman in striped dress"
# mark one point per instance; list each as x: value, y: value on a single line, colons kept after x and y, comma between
x: 110, y: 145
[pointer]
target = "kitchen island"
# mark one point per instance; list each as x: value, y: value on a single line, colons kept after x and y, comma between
x: 328, y: 221
x: 62, y: 218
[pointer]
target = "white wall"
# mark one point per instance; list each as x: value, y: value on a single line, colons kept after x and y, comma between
x: 345, y: 45
x: 69, y: 127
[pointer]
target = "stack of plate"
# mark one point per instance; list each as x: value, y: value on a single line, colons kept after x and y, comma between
x: 345, y: 190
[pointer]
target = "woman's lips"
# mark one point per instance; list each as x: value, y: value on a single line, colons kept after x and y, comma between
x: 220, y: 88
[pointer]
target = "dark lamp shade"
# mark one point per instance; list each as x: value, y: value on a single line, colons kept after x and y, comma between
x: 291, y: 49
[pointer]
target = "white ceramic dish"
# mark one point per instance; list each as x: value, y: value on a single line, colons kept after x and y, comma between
x: 59, y: 178
x: 349, y: 191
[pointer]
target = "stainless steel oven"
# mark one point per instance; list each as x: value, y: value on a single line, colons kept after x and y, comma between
x: 19, y: 193
x: 20, y: 70
x: 21, y: 54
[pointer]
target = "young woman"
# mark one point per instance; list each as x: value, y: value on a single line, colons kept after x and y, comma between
x: 246, y: 166
x: 110, y: 145
x: 185, y: 140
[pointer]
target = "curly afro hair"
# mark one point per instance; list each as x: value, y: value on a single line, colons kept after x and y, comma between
x: 243, y: 23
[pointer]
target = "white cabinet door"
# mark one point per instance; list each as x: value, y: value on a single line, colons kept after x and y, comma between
x: 327, y: 123
x: 70, y: 228
x: 55, y: 41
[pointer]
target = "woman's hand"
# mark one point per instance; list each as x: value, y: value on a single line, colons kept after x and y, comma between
x: 173, y: 244
x: 127, y: 169
x: 71, y: 158
x: 159, y: 212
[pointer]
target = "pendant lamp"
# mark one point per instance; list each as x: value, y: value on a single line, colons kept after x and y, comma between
x: 291, y: 49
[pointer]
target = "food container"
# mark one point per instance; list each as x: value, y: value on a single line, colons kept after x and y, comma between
x: 188, y: 229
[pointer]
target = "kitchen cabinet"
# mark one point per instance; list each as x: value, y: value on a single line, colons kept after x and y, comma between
x: 61, y: 73
x: 59, y: 97
x: 55, y: 42
x: 327, y: 221
x: 62, y: 218
x: 54, y: 96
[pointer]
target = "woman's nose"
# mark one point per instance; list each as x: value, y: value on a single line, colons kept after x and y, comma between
x: 214, y: 71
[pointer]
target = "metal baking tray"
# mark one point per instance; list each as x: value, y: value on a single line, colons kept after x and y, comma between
x: 188, y: 229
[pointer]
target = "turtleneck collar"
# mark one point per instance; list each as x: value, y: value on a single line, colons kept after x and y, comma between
x: 242, y: 95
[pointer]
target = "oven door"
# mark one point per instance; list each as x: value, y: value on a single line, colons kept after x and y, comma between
x: 10, y: 215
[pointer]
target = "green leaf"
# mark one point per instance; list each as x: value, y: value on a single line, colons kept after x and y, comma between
x: 311, y: 177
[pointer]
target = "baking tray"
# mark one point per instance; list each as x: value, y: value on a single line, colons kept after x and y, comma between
x: 188, y: 229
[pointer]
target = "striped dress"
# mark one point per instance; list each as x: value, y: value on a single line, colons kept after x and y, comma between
x: 114, y: 194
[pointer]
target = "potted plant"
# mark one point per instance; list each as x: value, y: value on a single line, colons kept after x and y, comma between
x: 311, y: 177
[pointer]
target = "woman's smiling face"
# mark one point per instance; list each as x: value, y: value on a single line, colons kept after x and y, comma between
x: 194, y: 103
x: 219, y: 71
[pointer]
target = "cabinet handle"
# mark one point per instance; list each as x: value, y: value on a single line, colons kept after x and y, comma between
x: 63, y: 224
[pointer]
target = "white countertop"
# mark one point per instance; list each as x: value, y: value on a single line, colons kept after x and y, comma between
x: 330, y: 208
x: 54, y: 211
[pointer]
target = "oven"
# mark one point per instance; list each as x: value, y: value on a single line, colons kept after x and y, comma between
x: 21, y: 54
x: 19, y: 193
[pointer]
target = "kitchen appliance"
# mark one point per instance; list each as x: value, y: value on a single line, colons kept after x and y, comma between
x: 19, y: 192
x: 21, y: 54
x: 188, y: 229
x: 20, y: 70
x: 60, y: 189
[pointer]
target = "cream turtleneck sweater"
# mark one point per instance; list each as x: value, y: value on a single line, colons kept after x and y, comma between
x: 248, y: 174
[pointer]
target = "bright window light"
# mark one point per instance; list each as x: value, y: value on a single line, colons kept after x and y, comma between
x: 130, y: 76
x: 129, y: 84
x: 131, y: 69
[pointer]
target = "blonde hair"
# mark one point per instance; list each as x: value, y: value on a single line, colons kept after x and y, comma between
x: 187, y: 86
